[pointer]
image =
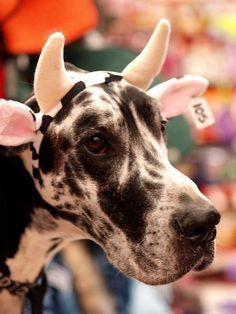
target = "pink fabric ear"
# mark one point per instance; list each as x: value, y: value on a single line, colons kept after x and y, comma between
x: 174, y: 95
x: 17, y: 125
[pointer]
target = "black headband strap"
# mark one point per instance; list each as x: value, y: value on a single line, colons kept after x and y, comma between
x: 76, y: 89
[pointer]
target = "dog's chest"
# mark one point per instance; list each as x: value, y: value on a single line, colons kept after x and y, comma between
x: 10, y: 304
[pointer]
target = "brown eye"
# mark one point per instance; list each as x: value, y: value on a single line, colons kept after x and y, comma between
x: 97, y: 145
x: 163, y: 125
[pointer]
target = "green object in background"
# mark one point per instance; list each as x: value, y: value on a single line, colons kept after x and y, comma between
x: 179, y: 135
x: 108, y: 59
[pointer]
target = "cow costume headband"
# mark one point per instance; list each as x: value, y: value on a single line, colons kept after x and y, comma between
x: 54, y: 88
x: 43, y: 120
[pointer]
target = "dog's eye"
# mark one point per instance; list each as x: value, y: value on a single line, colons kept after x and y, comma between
x: 163, y: 125
x: 97, y: 144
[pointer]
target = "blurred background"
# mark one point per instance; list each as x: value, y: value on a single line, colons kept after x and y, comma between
x: 106, y: 35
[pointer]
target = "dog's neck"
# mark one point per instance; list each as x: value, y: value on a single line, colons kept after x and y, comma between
x: 30, y: 234
x: 35, y: 251
x: 38, y: 246
x: 10, y: 303
x: 32, y: 255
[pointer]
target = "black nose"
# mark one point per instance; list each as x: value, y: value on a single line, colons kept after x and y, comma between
x: 197, y: 225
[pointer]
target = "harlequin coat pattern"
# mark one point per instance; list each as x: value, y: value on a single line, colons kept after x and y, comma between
x: 86, y: 157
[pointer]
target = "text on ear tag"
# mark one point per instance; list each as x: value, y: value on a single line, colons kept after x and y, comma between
x: 201, y: 112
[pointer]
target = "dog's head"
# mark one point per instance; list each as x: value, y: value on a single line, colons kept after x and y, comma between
x: 99, y: 158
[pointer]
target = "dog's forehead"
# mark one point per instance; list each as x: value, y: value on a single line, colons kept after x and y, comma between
x: 113, y: 103
x: 103, y: 99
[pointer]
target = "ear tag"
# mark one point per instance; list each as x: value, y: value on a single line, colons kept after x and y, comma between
x: 201, y: 112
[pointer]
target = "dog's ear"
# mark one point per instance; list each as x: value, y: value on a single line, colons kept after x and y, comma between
x: 17, y: 123
x: 175, y: 95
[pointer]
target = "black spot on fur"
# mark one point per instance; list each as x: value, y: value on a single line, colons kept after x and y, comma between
x: 144, y: 109
x: 83, y: 97
x: 108, y: 114
x: 97, y: 169
x: 35, y: 155
x: 47, y: 155
x: 75, y: 166
x: 70, y: 181
x: 56, y: 197
x: 107, y: 88
x: 85, y: 121
x: 105, y: 99
x: 153, y: 187
x: 37, y: 175
x: 63, y: 143
x: 129, y: 119
x: 58, y: 185
x: 16, y: 203
x: 153, y: 173
x: 126, y: 207
x: 68, y: 206
x: 86, y: 103
x: 131, y: 159
x: 146, y: 113
x: 152, y: 160
x: 4, y: 269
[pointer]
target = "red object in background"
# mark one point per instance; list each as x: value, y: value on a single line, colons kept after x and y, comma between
x: 1, y: 80
x: 208, y: 135
x: 222, y: 195
x: 27, y: 23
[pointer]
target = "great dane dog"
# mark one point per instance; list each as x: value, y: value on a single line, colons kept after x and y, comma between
x: 86, y: 158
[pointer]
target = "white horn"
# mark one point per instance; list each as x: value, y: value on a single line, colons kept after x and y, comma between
x: 51, y: 81
x: 147, y: 65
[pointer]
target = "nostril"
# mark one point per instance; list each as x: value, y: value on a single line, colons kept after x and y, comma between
x: 197, y: 225
x: 192, y: 231
x: 196, y: 232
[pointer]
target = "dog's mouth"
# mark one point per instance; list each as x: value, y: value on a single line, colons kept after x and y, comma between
x: 202, y: 264
x: 206, y: 258
x: 198, y: 256
x: 154, y: 266
x: 202, y: 259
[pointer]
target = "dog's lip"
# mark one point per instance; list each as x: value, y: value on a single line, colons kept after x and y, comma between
x: 205, y: 260
x: 210, y: 237
x: 202, y: 264
x: 199, y: 263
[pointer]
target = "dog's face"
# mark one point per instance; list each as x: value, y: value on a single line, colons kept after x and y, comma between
x: 104, y: 160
